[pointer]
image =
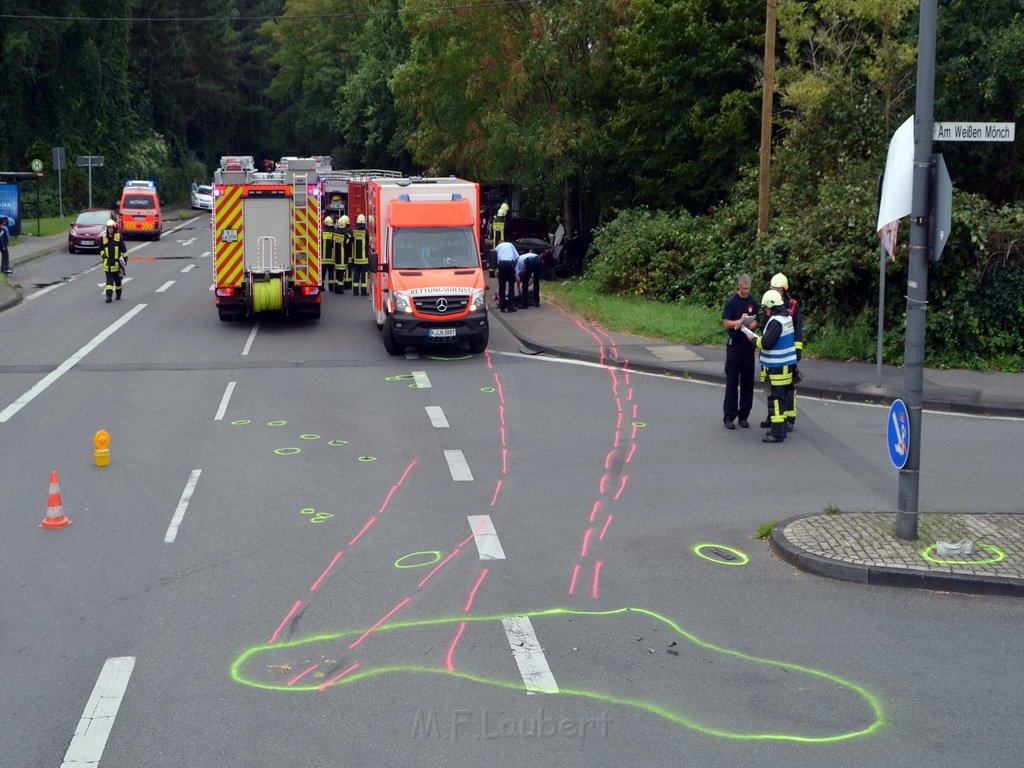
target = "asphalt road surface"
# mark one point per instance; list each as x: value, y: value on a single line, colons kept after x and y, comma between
x: 306, y: 552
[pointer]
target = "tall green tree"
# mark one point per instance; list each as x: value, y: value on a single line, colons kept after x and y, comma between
x: 689, y: 97
x: 372, y: 125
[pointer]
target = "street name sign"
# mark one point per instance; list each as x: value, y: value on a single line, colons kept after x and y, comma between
x: 973, y: 132
x: 89, y: 161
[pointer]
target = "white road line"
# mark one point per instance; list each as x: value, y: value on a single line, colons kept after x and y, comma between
x: 224, y: 401
x: 90, y: 738
x: 458, y: 466
x: 251, y: 339
x: 204, y: 255
x: 529, y: 656
x: 437, y: 417
x: 189, y: 268
x: 68, y: 364
x: 421, y: 379
x: 187, y: 242
x: 179, y: 513
x: 487, y: 543
x: 164, y: 287
x: 124, y: 280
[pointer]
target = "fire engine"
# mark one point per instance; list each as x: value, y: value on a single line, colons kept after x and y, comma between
x: 426, y: 279
x: 344, y: 192
x: 266, y: 239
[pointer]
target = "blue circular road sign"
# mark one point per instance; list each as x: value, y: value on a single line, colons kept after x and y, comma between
x: 898, y: 434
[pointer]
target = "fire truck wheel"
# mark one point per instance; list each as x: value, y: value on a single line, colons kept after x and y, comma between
x: 393, y: 347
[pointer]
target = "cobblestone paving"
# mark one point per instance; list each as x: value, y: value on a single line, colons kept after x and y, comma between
x: 869, y: 538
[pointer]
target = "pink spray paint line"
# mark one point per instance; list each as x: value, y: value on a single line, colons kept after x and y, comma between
x: 336, y: 678
x: 597, y: 577
x: 455, y: 551
x: 618, y: 421
x: 502, y: 431
x: 504, y: 461
x: 593, y: 510
x: 575, y: 575
x: 618, y: 405
x: 302, y: 674
x: 369, y: 522
x: 622, y: 487
x: 632, y: 450
x: 501, y: 415
x: 501, y: 390
x: 497, y: 491
x: 636, y: 408
x: 618, y: 437
x: 609, y: 458
x: 384, y: 618
x: 326, y: 571
x: 605, y: 529
x: 629, y: 396
x: 604, y: 483
x: 586, y: 542
x: 472, y: 593
x: 285, y: 620
x: 451, y: 650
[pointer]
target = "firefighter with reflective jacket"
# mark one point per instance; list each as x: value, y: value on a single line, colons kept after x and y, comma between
x: 360, y: 259
x: 327, y: 253
x: 114, y: 256
x: 778, y: 362
x: 343, y: 255
x: 781, y: 283
x: 497, y: 235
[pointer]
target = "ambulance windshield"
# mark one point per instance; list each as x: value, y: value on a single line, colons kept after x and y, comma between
x: 434, y: 248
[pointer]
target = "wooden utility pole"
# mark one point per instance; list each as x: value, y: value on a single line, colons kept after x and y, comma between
x: 764, y: 178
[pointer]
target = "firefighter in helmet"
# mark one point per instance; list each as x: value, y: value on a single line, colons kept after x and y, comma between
x: 497, y: 233
x: 343, y: 253
x: 778, y: 361
x: 114, y: 256
x: 327, y: 253
x: 360, y: 259
x: 781, y: 284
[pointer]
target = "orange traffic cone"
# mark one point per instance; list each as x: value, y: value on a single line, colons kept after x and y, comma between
x: 54, y: 508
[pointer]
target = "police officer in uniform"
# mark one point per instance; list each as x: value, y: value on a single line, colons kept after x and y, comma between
x: 115, y: 259
x: 343, y: 255
x: 778, y: 361
x: 507, y: 258
x: 327, y: 253
x: 739, y: 311
x: 528, y: 272
x: 360, y: 259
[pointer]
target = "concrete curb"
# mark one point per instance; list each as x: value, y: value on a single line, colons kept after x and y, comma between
x: 818, y: 392
x: 880, y: 575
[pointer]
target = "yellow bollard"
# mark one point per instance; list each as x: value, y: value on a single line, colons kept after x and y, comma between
x: 101, y: 440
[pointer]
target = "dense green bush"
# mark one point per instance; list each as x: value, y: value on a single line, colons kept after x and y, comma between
x: 830, y: 253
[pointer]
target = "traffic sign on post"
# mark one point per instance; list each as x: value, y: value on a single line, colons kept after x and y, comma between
x: 59, y: 163
x: 898, y: 434
x: 90, y: 162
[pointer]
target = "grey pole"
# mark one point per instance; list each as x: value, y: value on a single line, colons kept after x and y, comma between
x: 881, y: 315
x: 917, y: 276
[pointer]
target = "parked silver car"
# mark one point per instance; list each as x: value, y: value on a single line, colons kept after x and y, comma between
x: 202, y: 197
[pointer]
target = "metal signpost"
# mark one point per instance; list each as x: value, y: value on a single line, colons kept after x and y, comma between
x: 37, y: 169
x: 90, y: 162
x: 59, y: 165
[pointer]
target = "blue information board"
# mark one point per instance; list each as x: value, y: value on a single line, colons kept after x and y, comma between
x: 898, y: 434
x: 10, y: 207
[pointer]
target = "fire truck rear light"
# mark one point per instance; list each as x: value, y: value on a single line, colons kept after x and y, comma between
x: 227, y: 292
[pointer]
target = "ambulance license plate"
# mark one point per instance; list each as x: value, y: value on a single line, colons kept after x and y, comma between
x: 441, y: 333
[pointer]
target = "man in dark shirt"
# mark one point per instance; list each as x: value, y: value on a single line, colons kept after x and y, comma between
x: 740, y: 310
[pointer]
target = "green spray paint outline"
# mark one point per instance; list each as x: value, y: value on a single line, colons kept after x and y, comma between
x: 674, y: 717
x: 239, y: 422
x: 445, y: 359
x: 698, y: 547
x: 435, y: 552
x: 999, y: 556
x: 287, y: 451
x: 276, y: 423
x: 309, y: 436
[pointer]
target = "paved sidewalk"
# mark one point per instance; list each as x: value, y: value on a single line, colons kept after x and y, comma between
x: 858, y: 546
